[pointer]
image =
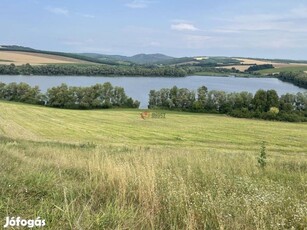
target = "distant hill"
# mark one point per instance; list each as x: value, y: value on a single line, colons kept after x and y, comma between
x: 137, y: 59
x: 149, y: 58
x: 17, y: 48
x: 21, y: 56
x: 108, y: 58
x: 60, y: 55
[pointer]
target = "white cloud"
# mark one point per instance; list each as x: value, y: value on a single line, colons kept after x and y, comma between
x: 57, y: 10
x: 184, y: 26
x: 138, y: 4
x: 65, y: 12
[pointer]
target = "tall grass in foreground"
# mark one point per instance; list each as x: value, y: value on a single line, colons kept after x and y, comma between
x: 105, y: 187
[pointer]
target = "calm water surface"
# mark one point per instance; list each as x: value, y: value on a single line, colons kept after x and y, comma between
x: 139, y: 87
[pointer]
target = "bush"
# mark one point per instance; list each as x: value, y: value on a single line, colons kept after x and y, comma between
x: 259, y: 67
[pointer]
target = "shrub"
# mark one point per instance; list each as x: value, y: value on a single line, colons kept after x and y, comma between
x: 262, y: 157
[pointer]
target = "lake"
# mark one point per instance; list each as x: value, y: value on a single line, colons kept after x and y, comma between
x: 139, y: 87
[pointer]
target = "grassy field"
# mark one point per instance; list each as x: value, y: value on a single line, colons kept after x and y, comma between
x: 20, y: 58
x: 110, y: 169
x: 284, y: 69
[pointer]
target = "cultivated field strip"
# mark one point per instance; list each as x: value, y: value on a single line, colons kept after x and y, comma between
x: 21, y: 58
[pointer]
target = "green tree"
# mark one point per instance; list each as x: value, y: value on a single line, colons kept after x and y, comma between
x: 287, y: 102
x: 260, y: 101
x: 152, y: 99
x: 272, y: 100
x: 61, y: 97
x: 202, y: 93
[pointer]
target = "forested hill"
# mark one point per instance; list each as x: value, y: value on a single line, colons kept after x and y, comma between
x: 140, y: 59
x: 59, y: 54
x: 28, y: 61
x: 136, y: 59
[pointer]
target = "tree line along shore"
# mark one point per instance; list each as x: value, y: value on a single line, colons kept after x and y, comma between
x: 99, y: 96
x: 298, y: 78
x: 263, y: 105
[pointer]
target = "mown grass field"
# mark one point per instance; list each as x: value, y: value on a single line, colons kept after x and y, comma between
x: 109, y: 169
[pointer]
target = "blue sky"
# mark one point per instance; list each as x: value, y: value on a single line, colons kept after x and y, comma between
x: 262, y: 28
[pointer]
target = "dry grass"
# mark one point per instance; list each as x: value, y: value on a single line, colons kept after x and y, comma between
x: 238, y: 67
x: 108, y: 187
x: 20, y: 58
x: 248, y: 61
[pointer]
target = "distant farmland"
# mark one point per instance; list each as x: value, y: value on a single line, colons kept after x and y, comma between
x: 279, y: 66
x: 20, y: 58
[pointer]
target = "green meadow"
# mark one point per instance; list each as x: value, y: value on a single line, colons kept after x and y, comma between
x: 284, y: 69
x: 110, y: 169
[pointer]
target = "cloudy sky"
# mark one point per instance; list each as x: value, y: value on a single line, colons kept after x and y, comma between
x: 250, y: 28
